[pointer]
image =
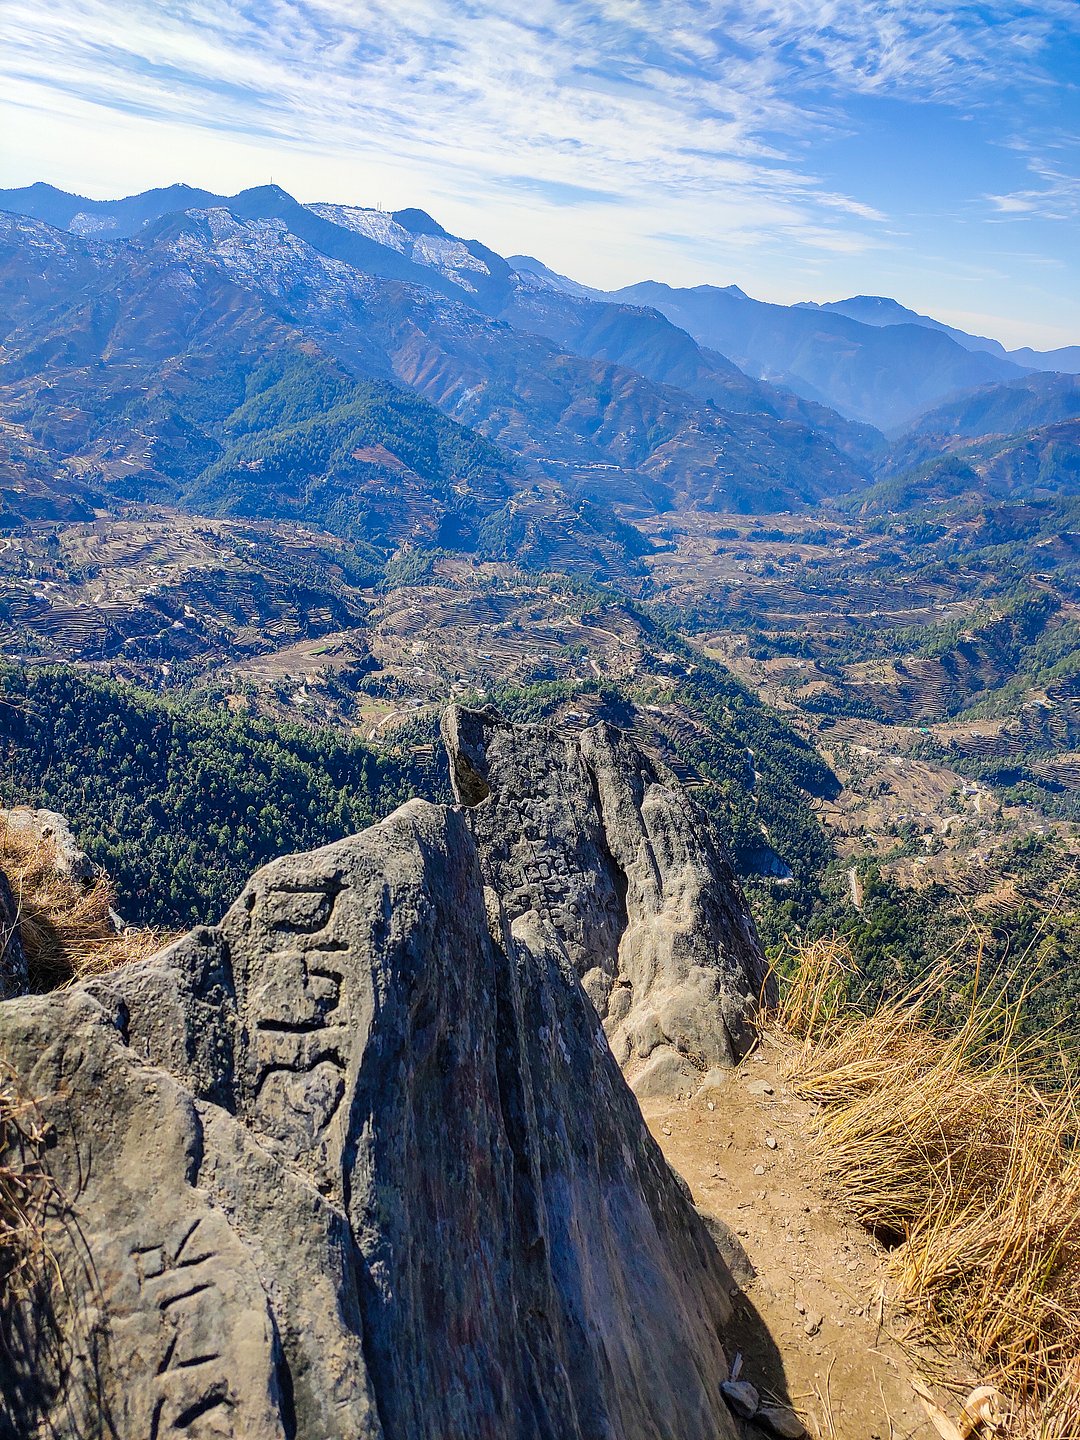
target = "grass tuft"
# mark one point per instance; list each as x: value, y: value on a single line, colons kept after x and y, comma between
x: 67, y: 928
x: 24, y: 1187
x: 944, y: 1137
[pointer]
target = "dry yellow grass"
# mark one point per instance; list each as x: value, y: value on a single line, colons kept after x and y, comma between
x: 24, y: 1187
x: 941, y: 1142
x: 66, y: 928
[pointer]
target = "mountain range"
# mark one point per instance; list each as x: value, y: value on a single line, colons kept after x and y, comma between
x: 325, y: 463
x: 366, y: 370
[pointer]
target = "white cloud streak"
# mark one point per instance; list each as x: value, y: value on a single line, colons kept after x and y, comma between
x: 624, y: 96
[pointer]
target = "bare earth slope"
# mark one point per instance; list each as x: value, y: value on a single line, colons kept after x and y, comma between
x: 824, y: 1331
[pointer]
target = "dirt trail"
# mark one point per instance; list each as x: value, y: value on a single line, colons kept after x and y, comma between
x: 814, y: 1324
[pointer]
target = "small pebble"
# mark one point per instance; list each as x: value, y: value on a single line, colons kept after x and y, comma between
x: 759, y: 1169
x: 741, y: 1396
x: 770, y: 1141
x: 781, y: 1421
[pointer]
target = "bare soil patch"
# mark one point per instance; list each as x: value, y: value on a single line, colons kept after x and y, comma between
x: 816, y: 1325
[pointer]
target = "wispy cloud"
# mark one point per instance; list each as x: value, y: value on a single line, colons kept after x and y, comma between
x: 1054, y: 189
x: 612, y: 96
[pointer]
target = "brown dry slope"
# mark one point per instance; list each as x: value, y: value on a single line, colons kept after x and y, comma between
x: 820, y: 1289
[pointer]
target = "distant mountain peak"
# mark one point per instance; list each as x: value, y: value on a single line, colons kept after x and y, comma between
x: 882, y: 303
x: 882, y: 310
x: 733, y: 290
x: 419, y: 222
x: 529, y: 265
x: 256, y: 194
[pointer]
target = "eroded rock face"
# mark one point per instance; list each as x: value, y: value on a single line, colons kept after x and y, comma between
x: 359, y: 1162
x: 614, y: 857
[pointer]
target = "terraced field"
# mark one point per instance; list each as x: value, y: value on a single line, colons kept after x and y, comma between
x: 880, y: 674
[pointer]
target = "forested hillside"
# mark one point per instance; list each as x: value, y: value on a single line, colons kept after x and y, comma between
x: 178, y: 802
x: 177, y: 799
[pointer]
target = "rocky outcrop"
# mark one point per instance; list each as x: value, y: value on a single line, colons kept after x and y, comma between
x: 51, y: 831
x: 612, y: 856
x: 359, y: 1162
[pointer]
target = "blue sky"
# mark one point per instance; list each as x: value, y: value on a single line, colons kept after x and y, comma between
x: 803, y: 149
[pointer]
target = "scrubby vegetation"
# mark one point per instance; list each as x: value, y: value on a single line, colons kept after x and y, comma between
x: 953, y: 1140
x: 67, y: 929
x: 1023, y: 903
x: 24, y: 1187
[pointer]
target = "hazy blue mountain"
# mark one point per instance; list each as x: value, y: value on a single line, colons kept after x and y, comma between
x: 104, y: 219
x: 881, y: 375
x: 880, y: 310
x: 1017, y: 405
x: 1067, y: 359
x: 534, y: 298
x: 647, y: 341
x: 551, y: 279
x: 615, y: 432
x: 124, y: 219
x: 410, y: 245
x: 1021, y: 437
x: 116, y: 363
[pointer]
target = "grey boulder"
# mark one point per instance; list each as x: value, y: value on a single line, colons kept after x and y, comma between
x: 359, y: 1162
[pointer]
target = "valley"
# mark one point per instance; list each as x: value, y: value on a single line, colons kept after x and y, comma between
x: 326, y: 469
x: 924, y: 794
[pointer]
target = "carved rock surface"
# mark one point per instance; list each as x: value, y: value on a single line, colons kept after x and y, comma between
x: 616, y: 858
x: 359, y: 1162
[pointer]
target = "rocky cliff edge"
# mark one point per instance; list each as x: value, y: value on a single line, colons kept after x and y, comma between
x: 360, y: 1162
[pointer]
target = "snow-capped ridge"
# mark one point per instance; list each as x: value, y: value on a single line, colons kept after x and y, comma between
x: 430, y: 246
